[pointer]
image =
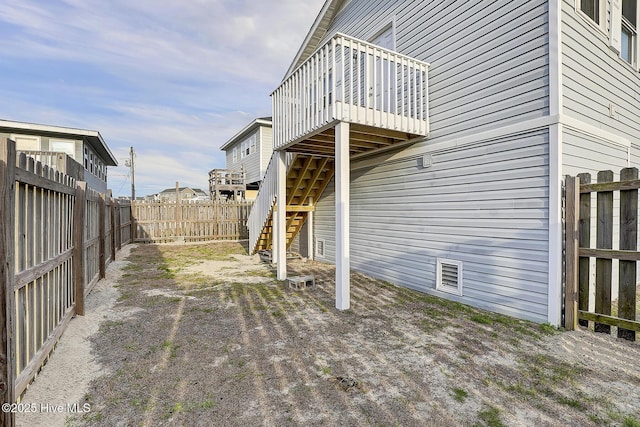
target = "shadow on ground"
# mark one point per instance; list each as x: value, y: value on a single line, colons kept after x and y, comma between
x: 207, y: 336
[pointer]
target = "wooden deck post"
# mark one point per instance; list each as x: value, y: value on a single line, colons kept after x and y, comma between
x: 628, y: 241
x: 572, y: 196
x: 7, y: 276
x: 604, y: 240
x: 342, y: 176
x: 280, y: 218
x: 78, y: 245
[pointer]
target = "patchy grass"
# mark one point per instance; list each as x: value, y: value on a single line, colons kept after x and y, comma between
x: 279, y: 351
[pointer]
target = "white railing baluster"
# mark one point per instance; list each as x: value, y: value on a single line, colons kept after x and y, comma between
x: 372, y: 85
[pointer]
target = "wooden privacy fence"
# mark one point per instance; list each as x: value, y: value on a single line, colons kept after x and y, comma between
x: 56, y: 238
x: 585, y: 301
x: 169, y: 221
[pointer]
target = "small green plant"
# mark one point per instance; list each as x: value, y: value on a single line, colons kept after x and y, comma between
x: 491, y: 416
x: 460, y: 394
x: 548, y: 329
x: 574, y: 403
x: 482, y: 319
x: 630, y: 421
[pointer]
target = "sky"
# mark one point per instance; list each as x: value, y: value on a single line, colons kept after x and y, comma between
x: 174, y: 79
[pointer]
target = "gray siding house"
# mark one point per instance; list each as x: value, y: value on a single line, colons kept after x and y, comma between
x: 250, y: 150
x: 87, y: 148
x: 449, y: 180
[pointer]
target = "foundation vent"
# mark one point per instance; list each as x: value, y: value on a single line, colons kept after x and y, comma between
x: 449, y: 276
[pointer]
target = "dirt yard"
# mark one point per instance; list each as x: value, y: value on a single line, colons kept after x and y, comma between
x: 203, y: 335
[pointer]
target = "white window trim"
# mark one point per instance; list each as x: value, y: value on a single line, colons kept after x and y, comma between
x: 635, y: 49
x: 439, y: 285
x: 602, y: 26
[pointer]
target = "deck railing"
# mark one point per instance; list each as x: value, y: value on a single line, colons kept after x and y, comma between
x: 265, y: 200
x: 354, y: 81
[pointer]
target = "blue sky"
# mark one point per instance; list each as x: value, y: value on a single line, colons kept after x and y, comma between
x: 172, y: 78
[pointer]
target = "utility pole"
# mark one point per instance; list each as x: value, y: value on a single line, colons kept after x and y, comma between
x: 133, y: 177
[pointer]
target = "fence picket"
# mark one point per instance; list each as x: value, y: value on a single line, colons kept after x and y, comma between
x: 604, y: 240
x: 628, y: 241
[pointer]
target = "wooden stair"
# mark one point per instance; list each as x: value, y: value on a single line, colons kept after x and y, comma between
x: 307, y: 177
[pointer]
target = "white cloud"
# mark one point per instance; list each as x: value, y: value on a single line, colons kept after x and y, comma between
x: 174, y: 79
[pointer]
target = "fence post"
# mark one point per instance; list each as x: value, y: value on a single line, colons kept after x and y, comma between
x: 132, y: 226
x: 113, y: 226
x: 584, y: 241
x: 7, y: 276
x: 102, y: 223
x: 572, y: 217
x: 118, y: 226
x: 628, y: 241
x: 604, y: 240
x: 78, y: 245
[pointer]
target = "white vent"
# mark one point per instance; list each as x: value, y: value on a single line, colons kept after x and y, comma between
x: 320, y: 248
x: 449, y: 276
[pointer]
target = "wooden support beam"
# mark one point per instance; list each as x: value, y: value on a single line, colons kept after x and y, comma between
x: 301, y: 174
x: 300, y: 208
x: 7, y: 276
x: 316, y: 175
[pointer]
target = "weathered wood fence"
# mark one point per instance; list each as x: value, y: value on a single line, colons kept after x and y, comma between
x: 170, y: 221
x: 56, y: 238
x: 604, y: 312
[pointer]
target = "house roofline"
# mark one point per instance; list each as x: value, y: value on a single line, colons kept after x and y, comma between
x: 316, y: 33
x: 92, y: 137
x: 255, y: 124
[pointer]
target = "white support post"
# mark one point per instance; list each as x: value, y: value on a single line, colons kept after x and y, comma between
x: 310, y: 248
x: 280, y: 218
x: 342, y: 217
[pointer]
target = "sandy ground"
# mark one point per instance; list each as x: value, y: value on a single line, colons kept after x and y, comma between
x: 200, y: 336
x: 65, y: 378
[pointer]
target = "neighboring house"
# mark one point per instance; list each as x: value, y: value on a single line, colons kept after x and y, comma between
x: 249, y: 152
x: 440, y: 132
x: 86, y: 147
x: 185, y: 194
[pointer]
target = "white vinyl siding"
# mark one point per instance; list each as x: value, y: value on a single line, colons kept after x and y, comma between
x: 243, y: 157
x: 596, y: 80
x: 488, y: 63
x: 265, y: 148
x: 485, y: 205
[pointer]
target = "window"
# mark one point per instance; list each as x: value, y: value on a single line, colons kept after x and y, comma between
x: 252, y: 142
x: 86, y: 158
x: 628, y: 31
x: 61, y: 146
x: 591, y: 8
x: 235, y: 154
